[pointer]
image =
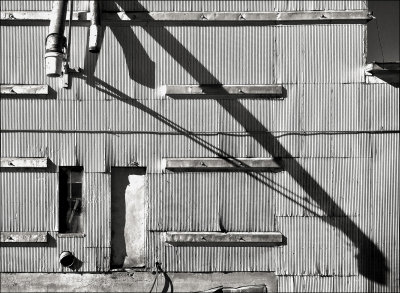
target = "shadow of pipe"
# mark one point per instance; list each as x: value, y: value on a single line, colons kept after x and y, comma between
x: 371, y: 261
x: 140, y: 67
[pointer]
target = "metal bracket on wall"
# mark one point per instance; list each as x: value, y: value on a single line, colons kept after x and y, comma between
x: 242, y: 17
x: 24, y: 89
x: 216, y: 89
x: 23, y: 237
x: 221, y: 164
x: 23, y: 162
x: 224, y: 239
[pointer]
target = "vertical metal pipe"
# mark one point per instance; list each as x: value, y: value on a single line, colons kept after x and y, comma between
x: 94, y: 33
x: 55, y: 40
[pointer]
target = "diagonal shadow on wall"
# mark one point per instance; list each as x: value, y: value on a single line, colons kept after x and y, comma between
x: 371, y: 261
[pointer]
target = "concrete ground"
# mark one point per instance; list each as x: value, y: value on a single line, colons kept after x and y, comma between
x: 131, y: 282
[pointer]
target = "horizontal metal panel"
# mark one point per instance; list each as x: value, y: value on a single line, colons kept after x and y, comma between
x: 39, y: 189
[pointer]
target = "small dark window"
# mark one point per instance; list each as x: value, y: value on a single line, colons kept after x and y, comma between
x: 70, y: 200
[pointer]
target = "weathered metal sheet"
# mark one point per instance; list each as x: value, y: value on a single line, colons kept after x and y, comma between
x: 91, y: 151
x: 316, y: 246
x: 183, y: 202
x: 209, y: 259
x: 97, y: 203
x: 29, y: 201
x: 13, y: 69
x: 231, y: 5
x: 38, y: 5
x: 62, y: 148
x: 385, y: 106
x: 23, y: 144
x: 305, y: 53
x: 336, y: 181
x: 246, y: 202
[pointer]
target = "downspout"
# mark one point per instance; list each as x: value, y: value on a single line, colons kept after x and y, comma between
x: 95, y: 26
x: 55, y: 40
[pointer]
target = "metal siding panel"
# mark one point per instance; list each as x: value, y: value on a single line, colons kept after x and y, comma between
x: 246, y: 202
x: 292, y: 199
x: 20, y: 144
x: 38, y: 5
x: 62, y: 148
x: 97, y: 199
x: 15, y: 62
x: 209, y: 259
x: 384, y: 217
x: 231, y: 5
x: 19, y: 258
x: 91, y: 151
x: 315, y: 247
x: 40, y: 190
x: 183, y: 202
x: 305, y: 53
x: 76, y: 246
x: 384, y: 104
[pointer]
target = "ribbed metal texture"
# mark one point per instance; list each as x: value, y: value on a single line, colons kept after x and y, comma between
x: 339, y: 188
x: 231, y: 5
x: 346, y: 182
x: 315, y: 247
x: 20, y: 258
x: 261, y: 55
x: 208, y: 5
x: 38, y: 5
x: 97, y: 195
x: 209, y: 259
x: 211, y: 202
x: 320, y: 53
x: 29, y: 201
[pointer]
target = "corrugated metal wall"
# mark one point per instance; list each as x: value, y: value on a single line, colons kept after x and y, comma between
x: 205, y: 5
x: 336, y: 132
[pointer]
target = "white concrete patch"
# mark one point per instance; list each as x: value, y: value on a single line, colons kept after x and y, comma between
x: 135, y: 221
